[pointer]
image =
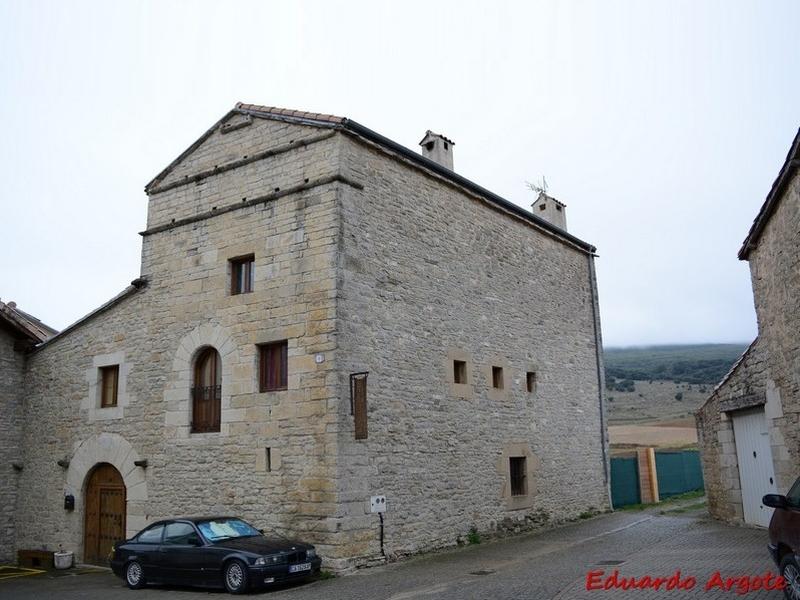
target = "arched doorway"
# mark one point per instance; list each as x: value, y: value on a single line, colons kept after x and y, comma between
x: 105, y: 513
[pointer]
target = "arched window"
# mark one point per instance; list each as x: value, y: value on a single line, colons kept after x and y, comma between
x: 206, y: 391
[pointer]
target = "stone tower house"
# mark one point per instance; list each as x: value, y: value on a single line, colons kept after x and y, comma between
x: 322, y: 316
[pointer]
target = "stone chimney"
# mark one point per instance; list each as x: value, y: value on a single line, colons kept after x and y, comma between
x: 438, y: 148
x: 551, y: 210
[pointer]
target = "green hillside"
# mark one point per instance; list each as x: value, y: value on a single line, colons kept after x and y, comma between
x: 700, y: 363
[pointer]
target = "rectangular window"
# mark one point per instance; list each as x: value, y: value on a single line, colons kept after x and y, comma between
x: 242, y: 272
x: 497, y: 378
x: 459, y: 371
x: 268, y: 459
x: 109, y: 382
x: 273, y: 366
x: 517, y: 472
x: 530, y: 381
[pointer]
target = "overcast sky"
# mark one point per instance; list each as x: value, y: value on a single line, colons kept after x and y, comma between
x: 661, y: 125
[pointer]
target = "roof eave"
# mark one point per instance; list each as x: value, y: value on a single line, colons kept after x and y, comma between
x: 382, y: 140
x: 136, y: 285
x: 785, y: 175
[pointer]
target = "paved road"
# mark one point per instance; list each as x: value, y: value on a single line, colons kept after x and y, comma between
x: 550, y: 565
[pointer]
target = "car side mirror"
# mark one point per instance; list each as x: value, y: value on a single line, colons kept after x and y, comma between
x: 261, y: 531
x: 774, y: 501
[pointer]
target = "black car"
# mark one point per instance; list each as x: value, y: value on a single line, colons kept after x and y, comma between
x: 213, y: 552
x: 784, y: 537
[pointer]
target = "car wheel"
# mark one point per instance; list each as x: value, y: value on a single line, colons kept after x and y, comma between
x: 236, y: 577
x: 134, y: 575
x: 790, y: 571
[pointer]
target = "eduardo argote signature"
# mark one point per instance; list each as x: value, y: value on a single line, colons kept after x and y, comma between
x: 740, y: 584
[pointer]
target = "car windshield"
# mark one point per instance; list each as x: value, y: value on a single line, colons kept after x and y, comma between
x: 224, y: 529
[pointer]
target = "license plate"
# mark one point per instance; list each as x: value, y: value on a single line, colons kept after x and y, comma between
x: 299, y: 568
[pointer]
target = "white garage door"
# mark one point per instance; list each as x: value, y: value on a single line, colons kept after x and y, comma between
x: 755, y: 464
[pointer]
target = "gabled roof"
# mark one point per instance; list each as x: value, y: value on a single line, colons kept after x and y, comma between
x: 287, y: 112
x: 360, y: 131
x: 26, y: 325
x: 267, y: 112
x: 774, y: 197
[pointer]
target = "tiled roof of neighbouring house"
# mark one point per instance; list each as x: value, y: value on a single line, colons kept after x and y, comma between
x: 25, y: 324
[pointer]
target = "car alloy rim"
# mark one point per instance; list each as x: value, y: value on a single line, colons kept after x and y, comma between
x: 235, y: 575
x: 792, y: 577
x: 134, y: 573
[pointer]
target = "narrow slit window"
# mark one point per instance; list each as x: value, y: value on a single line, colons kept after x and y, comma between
x: 517, y: 472
x: 530, y: 381
x: 273, y: 367
x: 459, y: 371
x: 242, y: 272
x: 358, y: 397
x: 268, y: 459
x: 497, y: 378
x: 109, y: 378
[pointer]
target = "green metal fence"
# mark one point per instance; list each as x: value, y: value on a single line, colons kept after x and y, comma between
x: 624, y: 482
x: 678, y: 472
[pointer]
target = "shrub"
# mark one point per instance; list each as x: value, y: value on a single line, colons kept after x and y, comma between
x: 473, y: 537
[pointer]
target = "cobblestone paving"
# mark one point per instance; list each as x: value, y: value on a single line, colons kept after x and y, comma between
x: 549, y: 565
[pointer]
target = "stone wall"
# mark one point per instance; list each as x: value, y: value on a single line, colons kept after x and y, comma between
x: 429, y: 274
x: 155, y: 334
x: 742, y: 387
x: 12, y: 364
x: 775, y: 273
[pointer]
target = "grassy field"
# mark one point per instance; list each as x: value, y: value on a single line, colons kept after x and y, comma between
x: 655, y: 402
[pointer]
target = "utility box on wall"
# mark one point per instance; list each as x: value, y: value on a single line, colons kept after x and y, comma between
x: 377, y: 504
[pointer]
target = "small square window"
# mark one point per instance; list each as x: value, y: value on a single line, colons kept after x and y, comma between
x: 530, y: 381
x: 459, y: 371
x: 542, y: 206
x: 273, y: 363
x: 242, y: 272
x: 497, y: 378
x: 109, y: 382
x: 517, y: 470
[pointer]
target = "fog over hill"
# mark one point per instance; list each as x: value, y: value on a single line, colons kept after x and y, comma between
x: 694, y: 363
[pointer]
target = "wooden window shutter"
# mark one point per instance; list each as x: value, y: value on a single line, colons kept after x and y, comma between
x: 358, y: 392
x: 273, y: 366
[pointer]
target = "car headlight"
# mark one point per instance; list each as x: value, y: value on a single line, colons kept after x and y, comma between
x: 265, y: 561
x: 311, y: 553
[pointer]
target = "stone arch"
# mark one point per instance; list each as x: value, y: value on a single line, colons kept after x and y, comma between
x: 115, y: 450
x: 177, y: 391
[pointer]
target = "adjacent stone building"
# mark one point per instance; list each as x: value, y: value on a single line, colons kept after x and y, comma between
x: 323, y: 316
x: 749, y: 429
x: 19, y: 332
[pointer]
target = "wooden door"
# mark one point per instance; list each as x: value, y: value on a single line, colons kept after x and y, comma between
x: 105, y: 513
